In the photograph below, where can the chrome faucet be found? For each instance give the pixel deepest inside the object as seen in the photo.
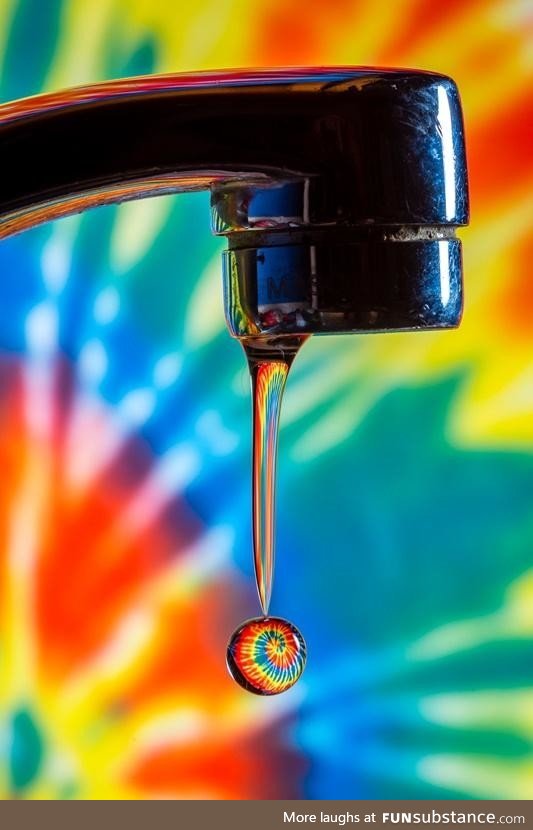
(339, 190)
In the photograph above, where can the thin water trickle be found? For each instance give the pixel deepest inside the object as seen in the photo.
(266, 655)
(269, 361)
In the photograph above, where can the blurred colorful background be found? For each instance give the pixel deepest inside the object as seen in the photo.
(405, 518)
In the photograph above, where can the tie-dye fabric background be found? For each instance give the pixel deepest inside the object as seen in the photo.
(405, 529)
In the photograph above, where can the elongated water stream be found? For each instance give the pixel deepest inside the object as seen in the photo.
(266, 655)
(269, 365)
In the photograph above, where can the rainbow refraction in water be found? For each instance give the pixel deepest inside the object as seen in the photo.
(266, 655)
(268, 383)
(269, 362)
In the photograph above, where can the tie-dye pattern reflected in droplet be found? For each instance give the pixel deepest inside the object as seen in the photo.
(266, 655)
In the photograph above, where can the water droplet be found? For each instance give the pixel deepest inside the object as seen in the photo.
(266, 655)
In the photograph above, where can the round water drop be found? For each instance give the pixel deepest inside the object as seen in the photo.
(266, 655)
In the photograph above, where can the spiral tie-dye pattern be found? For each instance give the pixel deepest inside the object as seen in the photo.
(266, 655)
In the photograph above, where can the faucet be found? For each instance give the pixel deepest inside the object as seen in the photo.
(339, 190)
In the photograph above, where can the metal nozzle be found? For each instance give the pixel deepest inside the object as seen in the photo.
(335, 281)
(364, 240)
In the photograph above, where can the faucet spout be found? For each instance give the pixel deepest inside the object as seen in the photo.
(339, 190)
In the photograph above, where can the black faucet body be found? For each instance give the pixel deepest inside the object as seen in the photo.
(340, 190)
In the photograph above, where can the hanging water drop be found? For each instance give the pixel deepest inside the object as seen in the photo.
(266, 655)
